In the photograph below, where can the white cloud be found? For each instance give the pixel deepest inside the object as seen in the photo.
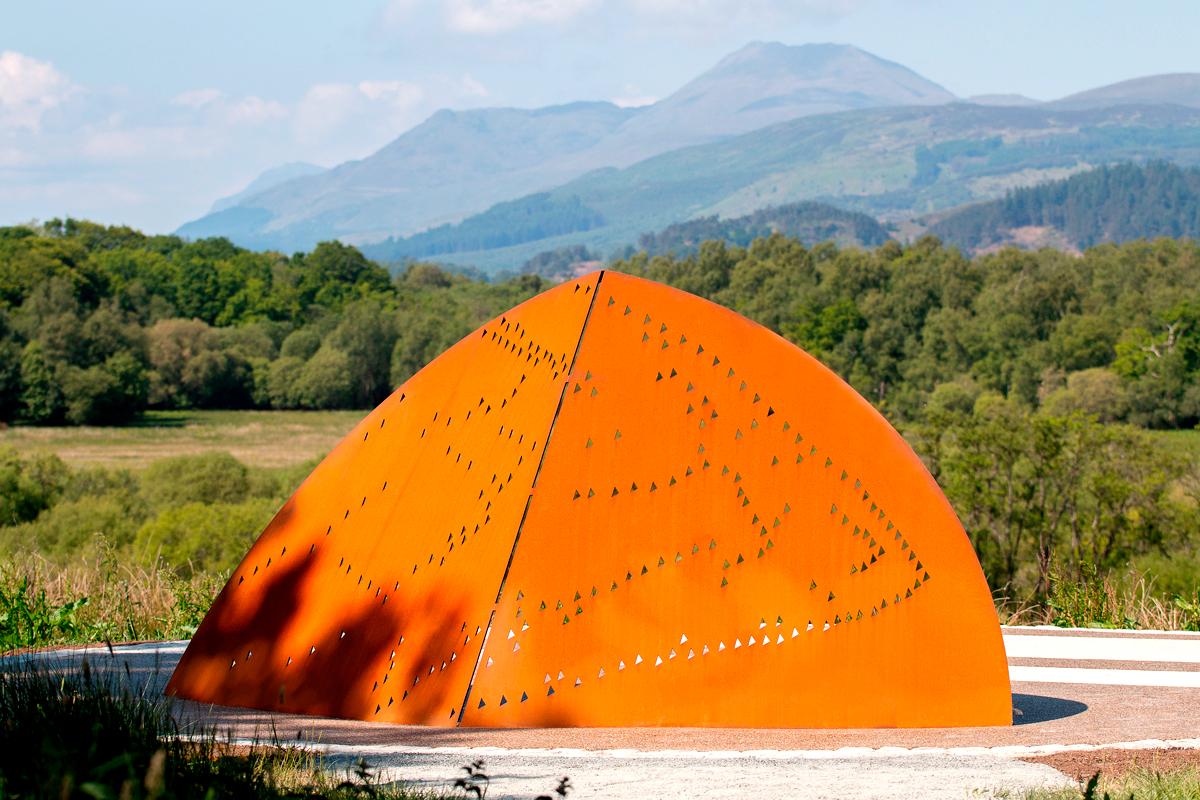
(492, 17)
(198, 98)
(396, 93)
(496, 16)
(472, 87)
(28, 89)
(634, 98)
(255, 111)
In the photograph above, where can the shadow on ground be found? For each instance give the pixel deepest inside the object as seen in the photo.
(1031, 708)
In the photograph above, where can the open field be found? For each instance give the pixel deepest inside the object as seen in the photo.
(272, 439)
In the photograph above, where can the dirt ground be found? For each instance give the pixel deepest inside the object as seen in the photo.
(1114, 762)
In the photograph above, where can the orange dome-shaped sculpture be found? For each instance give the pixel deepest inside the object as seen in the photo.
(619, 504)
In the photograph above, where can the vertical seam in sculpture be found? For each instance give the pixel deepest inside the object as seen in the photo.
(583, 330)
(528, 501)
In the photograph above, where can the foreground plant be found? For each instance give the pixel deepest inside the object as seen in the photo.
(89, 734)
(1138, 783)
(1098, 601)
(44, 604)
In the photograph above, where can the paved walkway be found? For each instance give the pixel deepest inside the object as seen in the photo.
(1072, 690)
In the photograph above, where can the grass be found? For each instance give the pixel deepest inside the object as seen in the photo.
(1102, 602)
(273, 439)
(79, 733)
(44, 604)
(1140, 783)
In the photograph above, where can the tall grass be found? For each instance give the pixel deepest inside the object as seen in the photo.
(42, 603)
(1094, 601)
(79, 733)
(1138, 783)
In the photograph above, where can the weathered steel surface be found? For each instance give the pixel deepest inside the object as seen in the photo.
(721, 533)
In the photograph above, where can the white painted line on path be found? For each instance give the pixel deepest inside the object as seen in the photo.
(1081, 648)
(1104, 677)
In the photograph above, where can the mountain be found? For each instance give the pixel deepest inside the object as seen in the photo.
(1179, 89)
(272, 177)
(892, 163)
(458, 163)
(1117, 204)
(762, 84)
(454, 162)
(1002, 100)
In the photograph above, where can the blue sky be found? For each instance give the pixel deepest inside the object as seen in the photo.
(145, 112)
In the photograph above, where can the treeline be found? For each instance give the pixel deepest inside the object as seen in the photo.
(1107, 204)
(809, 222)
(99, 323)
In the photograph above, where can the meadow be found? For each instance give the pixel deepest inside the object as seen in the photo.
(269, 439)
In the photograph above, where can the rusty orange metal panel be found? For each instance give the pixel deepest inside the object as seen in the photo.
(724, 533)
(368, 595)
(719, 531)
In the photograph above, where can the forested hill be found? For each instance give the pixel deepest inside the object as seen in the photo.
(811, 223)
(1106, 204)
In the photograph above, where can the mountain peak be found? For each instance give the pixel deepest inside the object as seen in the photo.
(765, 83)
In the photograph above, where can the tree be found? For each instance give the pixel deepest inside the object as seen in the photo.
(324, 381)
(367, 335)
(41, 396)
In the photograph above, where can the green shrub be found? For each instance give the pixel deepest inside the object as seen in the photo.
(212, 477)
(28, 619)
(198, 536)
(29, 486)
(68, 529)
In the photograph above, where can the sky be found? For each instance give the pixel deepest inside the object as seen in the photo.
(143, 113)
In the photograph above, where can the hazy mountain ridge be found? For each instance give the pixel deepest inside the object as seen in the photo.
(1181, 89)
(628, 168)
(457, 163)
(431, 174)
(265, 181)
(974, 153)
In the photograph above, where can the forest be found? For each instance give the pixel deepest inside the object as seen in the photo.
(98, 324)
(1034, 384)
(1106, 204)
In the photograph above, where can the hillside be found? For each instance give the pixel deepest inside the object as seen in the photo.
(460, 162)
(1181, 89)
(267, 180)
(1107, 204)
(891, 163)
(811, 223)
(451, 163)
